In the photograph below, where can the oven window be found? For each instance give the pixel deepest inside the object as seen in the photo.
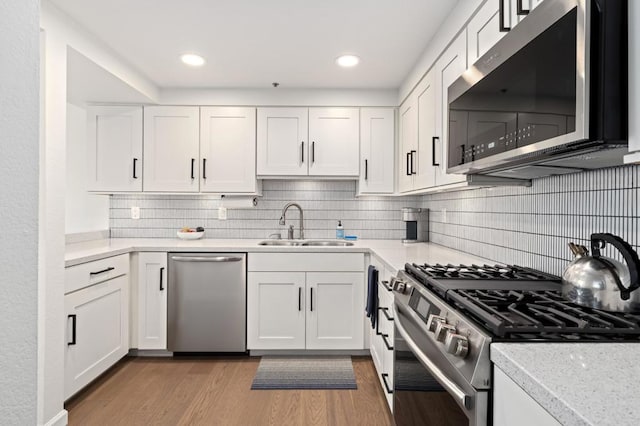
(529, 98)
(418, 397)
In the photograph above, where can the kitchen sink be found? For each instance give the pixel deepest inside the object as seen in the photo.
(310, 243)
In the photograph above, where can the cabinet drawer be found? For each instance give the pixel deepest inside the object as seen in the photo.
(90, 273)
(306, 262)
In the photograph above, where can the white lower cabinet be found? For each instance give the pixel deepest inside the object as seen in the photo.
(513, 406)
(152, 301)
(310, 307)
(97, 331)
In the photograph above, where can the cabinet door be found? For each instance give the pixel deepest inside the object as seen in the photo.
(335, 318)
(275, 310)
(408, 142)
(228, 149)
(335, 146)
(97, 331)
(448, 68)
(171, 154)
(152, 300)
(114, 148)
(483, 30)
(376, 149)
(426, 165)
(282, 144)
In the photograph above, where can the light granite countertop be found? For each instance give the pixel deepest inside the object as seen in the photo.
(394, 254)
(577, 383)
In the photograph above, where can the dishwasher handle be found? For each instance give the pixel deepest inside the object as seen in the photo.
(206, 259)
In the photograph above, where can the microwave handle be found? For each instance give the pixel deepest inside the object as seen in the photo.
(433, 151)
(462, 398)
(503, 27)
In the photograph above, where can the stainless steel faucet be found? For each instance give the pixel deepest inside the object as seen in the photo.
(283, 217)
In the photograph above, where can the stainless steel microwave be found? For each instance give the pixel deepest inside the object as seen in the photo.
(549, 98)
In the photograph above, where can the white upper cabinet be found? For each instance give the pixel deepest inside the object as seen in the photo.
(483, 30)
(334, 137)
(308, 142)
(227, 149)
(377, 137)
(171, 149)
(426, 164)
(114, 148)
(448, 68)
(408, 141)
(282, 141)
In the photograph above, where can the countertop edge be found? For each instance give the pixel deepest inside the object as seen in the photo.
(544, 396)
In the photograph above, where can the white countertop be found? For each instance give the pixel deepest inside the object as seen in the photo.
(393, 253)
(577, 383)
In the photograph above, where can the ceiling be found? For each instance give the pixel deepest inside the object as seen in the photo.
(252, 43)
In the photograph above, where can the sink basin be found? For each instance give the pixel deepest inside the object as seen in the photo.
(280, 243)
(330, 243)
(310, 243)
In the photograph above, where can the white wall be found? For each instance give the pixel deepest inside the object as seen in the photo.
(19, 122)
(84, 212)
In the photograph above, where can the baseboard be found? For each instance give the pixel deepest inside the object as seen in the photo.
(303, 352)
(150, 353)
(60, 419)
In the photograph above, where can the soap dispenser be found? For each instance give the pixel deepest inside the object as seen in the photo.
(339, 231)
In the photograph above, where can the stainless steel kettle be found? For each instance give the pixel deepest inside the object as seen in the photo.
(600, 282)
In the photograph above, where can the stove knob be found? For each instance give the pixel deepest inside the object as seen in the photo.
(433, 321)
(456, 344)
(442, 329)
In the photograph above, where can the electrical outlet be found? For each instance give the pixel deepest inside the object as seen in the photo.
(444, 215)
(222, 213)
(135, 212)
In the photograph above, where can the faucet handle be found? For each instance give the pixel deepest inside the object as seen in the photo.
(290, 232)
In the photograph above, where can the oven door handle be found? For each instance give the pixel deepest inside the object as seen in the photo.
(462, 398)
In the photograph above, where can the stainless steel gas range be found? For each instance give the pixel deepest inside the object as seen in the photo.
(447, 316)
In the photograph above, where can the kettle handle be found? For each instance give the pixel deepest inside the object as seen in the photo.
(598, 241)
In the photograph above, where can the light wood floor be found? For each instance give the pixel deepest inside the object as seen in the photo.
(217, 391)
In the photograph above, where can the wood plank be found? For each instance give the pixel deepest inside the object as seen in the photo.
(217, 390)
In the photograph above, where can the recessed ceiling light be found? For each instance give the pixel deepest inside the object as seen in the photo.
(192, 59)
(348, 61)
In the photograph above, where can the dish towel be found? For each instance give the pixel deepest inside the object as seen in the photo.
(372, 295)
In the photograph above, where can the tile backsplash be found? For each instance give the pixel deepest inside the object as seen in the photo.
(532, 226)
(323, 202)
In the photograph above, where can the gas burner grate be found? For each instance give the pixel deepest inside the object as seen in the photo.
(480, 272)
(542, 315)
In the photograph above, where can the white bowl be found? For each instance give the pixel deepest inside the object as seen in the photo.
(190, 235)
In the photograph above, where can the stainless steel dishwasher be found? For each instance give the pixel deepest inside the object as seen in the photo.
(207, 302)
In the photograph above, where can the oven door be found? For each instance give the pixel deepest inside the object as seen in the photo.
(428, 390)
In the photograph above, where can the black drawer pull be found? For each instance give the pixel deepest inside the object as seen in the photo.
(73, 329)
(110, 268)
(386, 385)
(385, 311)
(378, 332)
(386, 343)
(161, 271)
(386, 285)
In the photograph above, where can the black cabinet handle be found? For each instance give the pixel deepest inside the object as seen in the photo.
(433, 151)
(204, 168)
(311, 300)
(386, 385)
(386, 343)
(161, 271)
(366, 169)
(73, 329)
(503, 28)
(302, 151)
(378, 332)
(135, 161)
(520, 10)
(299, 299)
(110, 268)
(193, 166)
(408, 161)
(386, 285)
(385, 311)
(413, 152)
(313, 152)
